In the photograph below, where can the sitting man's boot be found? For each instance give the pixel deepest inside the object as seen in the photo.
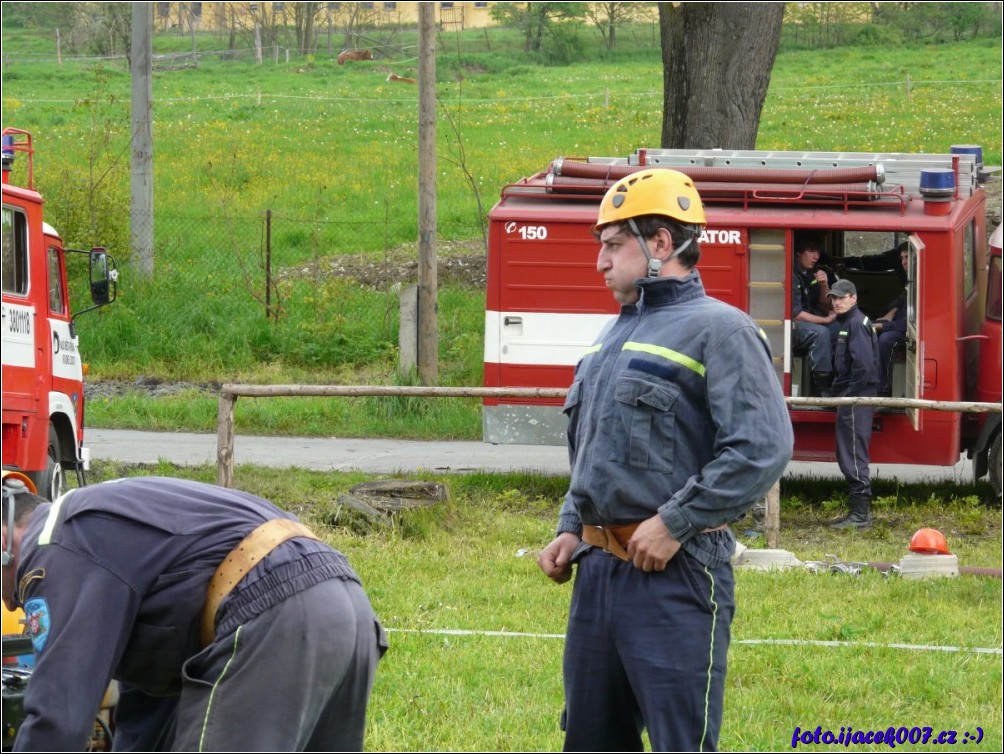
(822, 383)
(859, 516)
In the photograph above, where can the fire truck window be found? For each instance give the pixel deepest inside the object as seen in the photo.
(15, 252)
(872, 262)
(969, 261)
(57, 302)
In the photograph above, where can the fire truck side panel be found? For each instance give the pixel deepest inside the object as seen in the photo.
(42, 372)
(545, 300)
(66, 399)
(547, 303)
(25, 341)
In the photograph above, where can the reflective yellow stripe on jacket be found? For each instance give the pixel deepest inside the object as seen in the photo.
(667, 353)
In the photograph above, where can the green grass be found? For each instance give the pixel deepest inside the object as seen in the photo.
(330, 150)
(459, 568)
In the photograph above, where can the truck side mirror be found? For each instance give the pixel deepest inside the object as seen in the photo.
(103, 277)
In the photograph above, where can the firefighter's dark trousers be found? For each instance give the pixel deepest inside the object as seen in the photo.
(854, 433)
(295, 678)
(646, 650)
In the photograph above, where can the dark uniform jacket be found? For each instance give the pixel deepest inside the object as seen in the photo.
(676, 410)
(855, 356)
(805, 292)
(113, 578)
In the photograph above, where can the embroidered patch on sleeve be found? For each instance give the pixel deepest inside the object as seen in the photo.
(36, 619)
(35, 574)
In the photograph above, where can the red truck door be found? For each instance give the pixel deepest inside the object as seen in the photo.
(914, 343)
(21, 341)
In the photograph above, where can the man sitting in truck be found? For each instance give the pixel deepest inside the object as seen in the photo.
(891, 328)
(887, 261)
(811, 314)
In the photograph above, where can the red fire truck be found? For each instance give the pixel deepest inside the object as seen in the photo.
(43, 391)
(546, 302)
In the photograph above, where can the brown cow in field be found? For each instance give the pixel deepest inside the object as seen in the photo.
(402, 79)
(348, 55)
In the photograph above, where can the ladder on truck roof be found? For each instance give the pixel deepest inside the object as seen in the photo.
(745, 177)
(897, 168)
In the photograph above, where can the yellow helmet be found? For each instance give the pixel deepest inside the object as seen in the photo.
(656, 191)
(10, 474)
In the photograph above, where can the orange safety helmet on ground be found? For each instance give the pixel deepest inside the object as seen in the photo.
(656, 191)
(929, 542)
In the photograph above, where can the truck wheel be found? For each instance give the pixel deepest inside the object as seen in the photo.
(51, 483)
(994, 461)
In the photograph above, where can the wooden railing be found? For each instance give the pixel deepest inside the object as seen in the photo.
(772, 521)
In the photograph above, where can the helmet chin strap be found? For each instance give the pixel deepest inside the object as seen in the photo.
(11, 489)
(8, 553)
(654, 264)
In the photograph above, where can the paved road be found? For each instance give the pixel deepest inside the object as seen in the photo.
(404, 456)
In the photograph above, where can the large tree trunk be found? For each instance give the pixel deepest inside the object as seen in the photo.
(716, 61)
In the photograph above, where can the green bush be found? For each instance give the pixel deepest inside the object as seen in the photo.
(873, 35)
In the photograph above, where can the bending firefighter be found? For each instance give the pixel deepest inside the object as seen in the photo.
(676, 426)
(228, 624)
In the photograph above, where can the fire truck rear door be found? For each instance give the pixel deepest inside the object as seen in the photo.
(914, 343)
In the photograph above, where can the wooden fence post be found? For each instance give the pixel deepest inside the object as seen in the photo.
(772, 516)
(225, 440)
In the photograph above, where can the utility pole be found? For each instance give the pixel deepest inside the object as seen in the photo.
(141, 182)
(428, 284)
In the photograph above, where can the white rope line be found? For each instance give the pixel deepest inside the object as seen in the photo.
(747, 642)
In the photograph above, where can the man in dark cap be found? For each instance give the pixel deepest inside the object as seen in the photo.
(856, 374)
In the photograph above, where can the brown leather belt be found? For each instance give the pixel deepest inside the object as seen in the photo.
(614, 539)
(243, 558)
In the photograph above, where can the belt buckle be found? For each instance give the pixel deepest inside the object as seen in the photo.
(606, 538)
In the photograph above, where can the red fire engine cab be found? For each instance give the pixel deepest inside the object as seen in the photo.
(43, 390)
(546, 303)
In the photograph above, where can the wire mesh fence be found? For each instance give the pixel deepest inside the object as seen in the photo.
(265, 261)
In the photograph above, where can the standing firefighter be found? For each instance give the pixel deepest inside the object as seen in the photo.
(676, 426)
(228, 624)
(857, 375)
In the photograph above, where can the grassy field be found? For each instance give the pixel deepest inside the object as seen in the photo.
(330, 150)
(476, 630)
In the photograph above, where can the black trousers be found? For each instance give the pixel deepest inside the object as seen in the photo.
(854, 433)
(647, 651)
(297, 677)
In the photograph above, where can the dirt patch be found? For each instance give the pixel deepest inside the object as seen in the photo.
(458, 263)
(994, 191)
(150, 386)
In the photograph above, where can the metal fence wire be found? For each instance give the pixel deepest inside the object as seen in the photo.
(263, 260)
